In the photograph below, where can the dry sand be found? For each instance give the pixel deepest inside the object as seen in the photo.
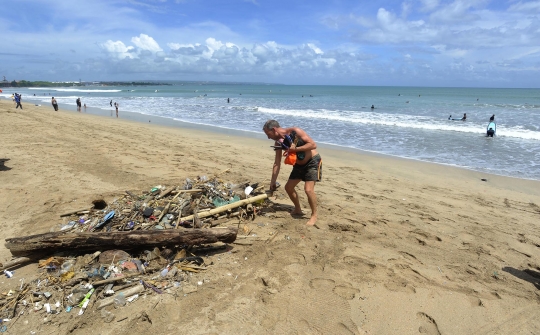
(404, 247)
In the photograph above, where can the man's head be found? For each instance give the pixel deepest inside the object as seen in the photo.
(269, 129)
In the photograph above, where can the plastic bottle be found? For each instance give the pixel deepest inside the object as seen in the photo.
(120, 299)
(67, 266)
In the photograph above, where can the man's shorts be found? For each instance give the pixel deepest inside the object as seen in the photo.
(311, 171)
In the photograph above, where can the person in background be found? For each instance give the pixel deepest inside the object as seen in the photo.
(492, 118)
(78, 101)
(18, 100)
(116, 106)
(464, 117)
(54, 104)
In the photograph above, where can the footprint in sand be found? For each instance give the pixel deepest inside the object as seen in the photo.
(428, 326)
(346, 292)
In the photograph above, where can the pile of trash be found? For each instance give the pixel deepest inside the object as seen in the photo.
(69, 282)
(164, 207)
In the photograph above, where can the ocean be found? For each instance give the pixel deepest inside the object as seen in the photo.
(408, 122)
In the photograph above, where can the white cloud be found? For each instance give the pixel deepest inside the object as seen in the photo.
(118, 49)
(218, 57)
(146, 42)
(429, 5)
(406, 8)
(459, 10)
(315, 48)
(527, 7)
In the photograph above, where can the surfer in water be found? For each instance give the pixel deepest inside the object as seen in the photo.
(492, 118)
(464, 117)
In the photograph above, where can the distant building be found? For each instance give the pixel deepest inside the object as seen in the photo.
(5, 83)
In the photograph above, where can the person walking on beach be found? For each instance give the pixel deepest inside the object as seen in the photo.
(116, 106)
(18, 101)
(54, 104)
(78, 101)
(307, 167)
(111, 103)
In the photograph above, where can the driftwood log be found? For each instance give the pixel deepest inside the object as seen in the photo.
(59, 241)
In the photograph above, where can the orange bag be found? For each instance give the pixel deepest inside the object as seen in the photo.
(290, 158)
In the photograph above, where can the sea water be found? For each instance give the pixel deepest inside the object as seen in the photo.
(409, 122)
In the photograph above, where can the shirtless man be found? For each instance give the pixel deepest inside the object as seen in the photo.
(54, 104)
(308, 167)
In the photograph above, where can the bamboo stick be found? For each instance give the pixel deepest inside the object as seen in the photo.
(74, 212)
(16, 261)
(127, 293)
(226, 207)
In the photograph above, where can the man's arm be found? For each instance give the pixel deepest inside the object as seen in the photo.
(275, 170)
(309, 144)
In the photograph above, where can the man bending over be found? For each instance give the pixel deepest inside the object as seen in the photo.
(307, 168)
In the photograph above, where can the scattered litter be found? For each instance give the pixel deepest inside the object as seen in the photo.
(80, 280)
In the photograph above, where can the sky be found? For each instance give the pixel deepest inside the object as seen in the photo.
(457, 43)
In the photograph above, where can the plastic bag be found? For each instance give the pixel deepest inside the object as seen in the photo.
(290, 158)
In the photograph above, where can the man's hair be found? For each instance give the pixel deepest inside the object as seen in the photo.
(271, 124)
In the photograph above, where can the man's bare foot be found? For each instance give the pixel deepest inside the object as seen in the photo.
(312, 221)
(296, 212)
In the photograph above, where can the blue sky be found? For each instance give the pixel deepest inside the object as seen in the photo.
(474, 43)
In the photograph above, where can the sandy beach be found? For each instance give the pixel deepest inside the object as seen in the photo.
(404, 247)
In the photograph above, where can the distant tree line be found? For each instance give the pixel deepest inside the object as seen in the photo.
(26, 83)
(133, 83)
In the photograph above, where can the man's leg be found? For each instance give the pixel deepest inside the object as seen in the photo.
(290, 188)
(309, 187)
